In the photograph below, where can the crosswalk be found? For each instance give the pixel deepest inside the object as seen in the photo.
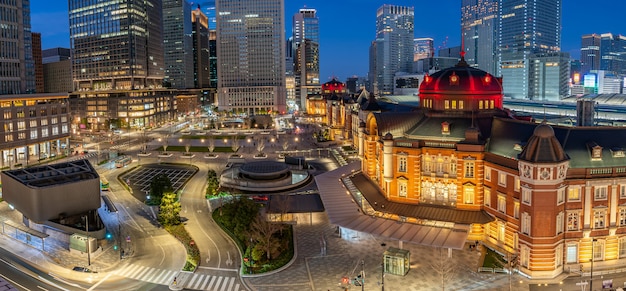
(80, 157)
(166, 277)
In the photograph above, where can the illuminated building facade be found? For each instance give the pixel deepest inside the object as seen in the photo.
(550, 196)
(394, 45)
(123, 50)
(306, 53)
(200, 35)
(590, 53)
(479, 23)
(525, 28)
(34, 127)
(251, 56)
(16, 55)
(177, 44)
(423, 48)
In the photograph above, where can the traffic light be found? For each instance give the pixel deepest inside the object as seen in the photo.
(115, 247)
(109, 235)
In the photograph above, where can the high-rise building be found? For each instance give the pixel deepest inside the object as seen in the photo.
(423, 48)
(37, 60)
(613, 53)
(305, 41)
(394, 45)
(16, 55)
(200, 33)
(549, 76)
(212, 58)
(123, 49)
(178, 44)
(525, 28)
(251, 56)
(56, 54)
(479, 23)
(590, 53)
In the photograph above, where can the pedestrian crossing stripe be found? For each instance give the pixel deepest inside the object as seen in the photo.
(166, 277)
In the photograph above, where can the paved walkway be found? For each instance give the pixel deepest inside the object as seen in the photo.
(316, 270)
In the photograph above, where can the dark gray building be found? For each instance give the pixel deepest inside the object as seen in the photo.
(17, 65)
(177, 44)
(56, 54)
(200, 44)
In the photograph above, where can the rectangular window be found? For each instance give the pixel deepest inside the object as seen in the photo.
(572, 253)
(469, 169)
(517, 184)
(54, 120)
(402, 188)
(460, 104)
(487, 174)
(21, 135)
(526, 223)
(524, 256)
(8, 137)
(44, 121)
(516, 210)
(622, 217)
(573, 194)
(559, 223)
(526, 196)
(446, 104)
(468, 194)
(600, 193)
(44, 132)
(502, 179)
(599, 217)
(572, 221)
(402, 164)
(560, 196)
(622, 247)
(33, 123)
(622, 191)
(33, 134)
(453, 104)
(21, 125)
(64, 128)
(487, 196)
(558, 255)
(501, 203)
(598, 250)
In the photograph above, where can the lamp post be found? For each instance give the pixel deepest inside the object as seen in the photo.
(593, 244)
(88, 250)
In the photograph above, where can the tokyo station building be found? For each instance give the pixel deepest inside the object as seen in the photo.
(552, 197)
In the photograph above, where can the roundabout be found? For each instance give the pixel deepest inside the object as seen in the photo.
(263, 176)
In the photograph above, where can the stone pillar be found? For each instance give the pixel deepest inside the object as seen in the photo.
(587, 208)
(613, 205)
(361, 142)
(388, 157)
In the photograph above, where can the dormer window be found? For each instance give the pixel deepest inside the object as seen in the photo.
(445, 128)
(617, 152)
(596, 151)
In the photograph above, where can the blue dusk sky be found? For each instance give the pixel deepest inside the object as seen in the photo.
(347, 27)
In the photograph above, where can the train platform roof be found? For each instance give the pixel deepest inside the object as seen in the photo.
(54, 174)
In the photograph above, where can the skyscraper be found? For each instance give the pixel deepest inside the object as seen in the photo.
(37, 60)
(305, 45)
(177, 44)
(200, 32)
(123, 49)
(613, 53)
(590, 53)
(479, 23)
(525, 28)
(251, 56)
(394, 45)
(18, 69)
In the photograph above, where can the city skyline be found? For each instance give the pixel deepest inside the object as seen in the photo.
(345, 37)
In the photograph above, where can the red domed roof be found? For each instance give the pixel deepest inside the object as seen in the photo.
(461, 79)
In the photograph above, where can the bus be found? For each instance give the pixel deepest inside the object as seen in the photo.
(123, 161)
(104, 184)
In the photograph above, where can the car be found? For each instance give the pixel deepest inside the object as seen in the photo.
(83, 269)
(259, 198)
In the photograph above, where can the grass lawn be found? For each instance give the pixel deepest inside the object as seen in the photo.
(492, 259)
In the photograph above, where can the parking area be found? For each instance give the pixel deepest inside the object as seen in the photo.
(139, 179)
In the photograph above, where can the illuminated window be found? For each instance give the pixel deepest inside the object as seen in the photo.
(598, 250)
(446, 104)
(402, 188)
(491, 104)
(558, 255)
(487, 174)
(572, 253)
(502, 179)
(468, 194)
(573, 194)
(622, 191)
(487, 197)
(622, 217)
(517, 184)
(516, 210)
(622, 247)
(453, 104)
(480, 104)
(524, 256)
(572, 221)
(460, 104)
(501, 203)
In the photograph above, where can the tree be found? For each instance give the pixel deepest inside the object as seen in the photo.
(263, 232)
(260, 144)
(211, 146)
(444, 267)
(169, 210)
(159, 185)
(285, 144)
(236, 144)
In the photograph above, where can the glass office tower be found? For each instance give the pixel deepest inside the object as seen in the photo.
(479, 23)
(525, 27)
(116, 44)
(16, 55)
(394, 45)
(590, 53)
(251, 56)
(177, 44)
(305, 52)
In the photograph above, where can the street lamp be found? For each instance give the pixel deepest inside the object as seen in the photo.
(593, 245)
